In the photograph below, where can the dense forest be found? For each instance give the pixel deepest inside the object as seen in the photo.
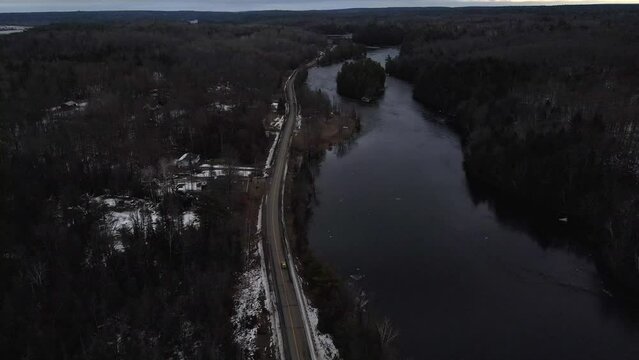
(343, 51)
(92, 117)
(361, 79)
(547, 105)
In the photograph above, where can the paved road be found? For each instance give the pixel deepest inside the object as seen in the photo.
(296, 345)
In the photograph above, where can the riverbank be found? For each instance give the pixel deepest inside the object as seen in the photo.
(341, 306)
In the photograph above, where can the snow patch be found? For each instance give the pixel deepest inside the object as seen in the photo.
(258, 226)
(190, 218)
(298, 122)
(110, 202)
(324, 345)
(215, 171)
(271, 152)
(224, 107)
(118, 246)
(254, 297)
(276, 126)
(277, 123)
(249, 304)
(125, 213)
(10, 29)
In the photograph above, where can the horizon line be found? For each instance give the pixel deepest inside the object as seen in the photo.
(463, 5)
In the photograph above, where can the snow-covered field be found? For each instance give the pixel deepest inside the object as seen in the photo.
(125, 213)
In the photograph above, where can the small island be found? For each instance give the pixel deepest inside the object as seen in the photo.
(362, 79)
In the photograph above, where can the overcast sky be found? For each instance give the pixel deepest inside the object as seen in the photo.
(242, 5)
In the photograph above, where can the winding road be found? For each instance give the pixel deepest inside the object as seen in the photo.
(295, 331)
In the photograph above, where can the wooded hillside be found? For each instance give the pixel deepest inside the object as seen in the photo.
(548, 106)
(90, 110)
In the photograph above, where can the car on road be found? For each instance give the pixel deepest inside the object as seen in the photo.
(283, 264)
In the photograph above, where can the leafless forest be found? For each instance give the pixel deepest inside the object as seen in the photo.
(101, 118)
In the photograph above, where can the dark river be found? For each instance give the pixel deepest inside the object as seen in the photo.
(456, 281)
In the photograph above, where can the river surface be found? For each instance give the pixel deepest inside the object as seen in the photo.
(456, 280)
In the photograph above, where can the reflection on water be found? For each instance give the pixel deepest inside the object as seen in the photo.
(457, 280)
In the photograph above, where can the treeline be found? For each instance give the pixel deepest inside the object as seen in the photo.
(343, 51)
(360, 79)
(379, 34)
(547, 108)
(137, 96)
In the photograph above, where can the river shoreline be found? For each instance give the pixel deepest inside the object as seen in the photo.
(341, 305)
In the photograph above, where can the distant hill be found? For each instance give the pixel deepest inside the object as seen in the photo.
(282, 16)
(45, 18)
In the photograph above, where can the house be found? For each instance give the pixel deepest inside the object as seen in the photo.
(189, 186)
(194, 22)
(187, 160)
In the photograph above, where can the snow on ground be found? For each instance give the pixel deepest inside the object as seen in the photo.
(298, 122)
(249, 303)
(324, 345)
(215, 171)
(119, 220)
(271, 152)
(224, 107)
(252, 298)
(277, 123)
(190, 218)
(210, 174)
(222, 88)
(258, 226)
(124, 213)
(68, 108)
(110, 202)
(118, 246)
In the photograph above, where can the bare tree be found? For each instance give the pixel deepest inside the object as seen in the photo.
(387, 333)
